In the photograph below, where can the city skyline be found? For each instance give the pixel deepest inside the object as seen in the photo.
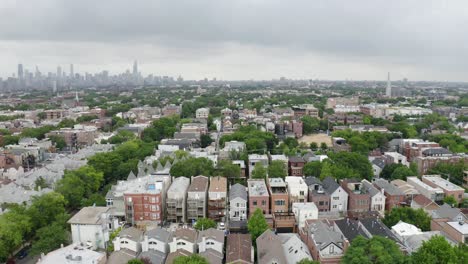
(261, 40)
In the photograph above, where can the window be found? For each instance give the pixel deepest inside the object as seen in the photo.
(332, 249)
(154, 216)
(153, 208)
(336, 198)
(146, 197)
(237, 204)
(146, 206)
(152, 243)
(124, 242)
(254, 202)
(129, 208)
(321, 202)
(153, 199)
(263, 202)
(301, 193)
(210, 243)
(110, 202)
(280, 202)
(181, 243)
(129, 199)
(334, 206)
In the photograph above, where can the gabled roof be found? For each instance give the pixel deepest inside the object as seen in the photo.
(270, 248)
(132, 233)
(312, 181)
(160, 234)
(350, 228)
(238, 248)
(376, 227)
(330, 185)
(446, 211)
(388, 187)
(370, 188)
(238, 190)
(187, 234)
(211, 233)
(324, 235)
(131, 176)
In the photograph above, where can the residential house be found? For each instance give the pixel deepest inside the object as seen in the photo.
(295, 166)
(258, 196)
(184, 243)
(359, 197)
(237, 203)
(197, 196)
(211, 245)
(279, 197)
(297, 189)
(256, 158)
(202, 113)
(377, 197)
(239, 249)
(303, 212)
(421, 201)
(155, 245)
(91, 227)
(293, 248)
(74, 253)
(326, 243)
(129, 239)
(394, 197)
(436, 194)
(241, 165)
(403, 230)
(449, 188)
(270, 249)
(217, 198)
(405, 188)
(177, 199)
(338, 196)
(317, 194)
(366, 227)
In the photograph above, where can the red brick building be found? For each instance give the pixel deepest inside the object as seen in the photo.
(295, 166)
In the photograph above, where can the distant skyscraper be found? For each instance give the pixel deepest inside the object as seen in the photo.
(388, 90)
(20, 72)
(59, 72)
(135, 68)
(72, 74)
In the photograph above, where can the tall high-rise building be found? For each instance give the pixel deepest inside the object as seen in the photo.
(72, 74)
(59, 72)
(135, 68)
(20, 72)
(388, 90)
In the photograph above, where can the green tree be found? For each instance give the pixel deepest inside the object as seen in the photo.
(378, 250)
(66, 123)
(435, 250)
(58, 141)
(192, 167)
(205, 140)
(229, 170)
(310, 124)
(257, 224)
(277, 169)
(313, 146)
(40, 183)
(402, 173)
(49, 238)
(454, 172)
(259, 171)
(450, 200)
(122, 136)
(204, 223)
(192, 259)
(323, 146)
(417, 217)
(313, 168)
(15, 226)
(46, 209)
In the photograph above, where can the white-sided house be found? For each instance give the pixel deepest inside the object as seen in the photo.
(377, 197)
(237, 203)
(184, 239)
(90, 226)
(303, 212)
(297, 189)
(155, 245)
(129, 238)
(338, 196)
(403, 230)
(211, 245)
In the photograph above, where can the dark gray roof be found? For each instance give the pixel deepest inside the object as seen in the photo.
(296, 159)
(330, 185)
(377, 228)
(326, 235)
(270, 248)
(312, 181)
(436, 151)
(159, 234)
(370, 188)
(379, 162)
(350, 228)
(446, 211)
(238, 190)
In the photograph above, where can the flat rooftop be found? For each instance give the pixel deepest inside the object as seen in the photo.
(443, 183)
(257, 188)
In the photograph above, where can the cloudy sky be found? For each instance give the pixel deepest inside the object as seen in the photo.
(240, 39)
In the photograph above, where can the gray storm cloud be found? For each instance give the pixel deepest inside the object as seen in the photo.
(419, 39)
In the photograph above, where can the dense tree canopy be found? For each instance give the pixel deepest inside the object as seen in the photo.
(310, 124)
(256, 141)
(438, 250)
(364, 142)
(192, 259)
(377, 250)
(454, 172)
(259, 172)
(277, 169)
(257, 224)
(417, 217)
(204, 223)
(192, 167)
(164, 127)
(229, 170)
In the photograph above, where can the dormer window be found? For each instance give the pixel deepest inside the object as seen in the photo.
(152, 243)
(181, 243)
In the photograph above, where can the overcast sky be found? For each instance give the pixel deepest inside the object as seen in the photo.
(240, 39)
